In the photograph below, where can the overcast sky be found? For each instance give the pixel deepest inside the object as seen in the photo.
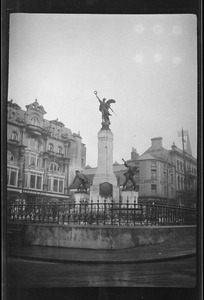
(147, 63)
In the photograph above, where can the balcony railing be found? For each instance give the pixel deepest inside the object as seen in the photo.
(192, 174)
(105, 214)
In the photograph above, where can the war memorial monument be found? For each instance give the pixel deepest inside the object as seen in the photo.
(105, 186)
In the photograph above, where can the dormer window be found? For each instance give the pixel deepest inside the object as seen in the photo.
(60, 149)
(14, 135)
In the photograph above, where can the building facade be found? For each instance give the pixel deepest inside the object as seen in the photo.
(166, 174)
(163, 174)
(42, 155)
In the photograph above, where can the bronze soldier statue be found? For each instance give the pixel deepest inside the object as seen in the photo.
(129, 175)
(83, 181)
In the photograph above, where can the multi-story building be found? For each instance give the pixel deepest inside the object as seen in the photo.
(163, 174)
(42, 155)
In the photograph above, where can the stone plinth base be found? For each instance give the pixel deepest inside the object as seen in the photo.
(99, 237)
(79, 196)
(131, 196)
(95, 194)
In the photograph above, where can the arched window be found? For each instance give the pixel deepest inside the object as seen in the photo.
(10, 157)
(182, 183)
(59, 149)
(35, 122)
(54, 167)
(14, 135)
(177, 165)
(50, 147)
(171, 178)
(53, 131)
(37, 145)
(179, 186)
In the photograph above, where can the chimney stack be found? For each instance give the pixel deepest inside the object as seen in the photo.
(156, 143)
(134, 154)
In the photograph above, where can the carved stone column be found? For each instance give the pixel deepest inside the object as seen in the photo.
(66, 184)
(45, 184)
(66, 163)
(22, 166)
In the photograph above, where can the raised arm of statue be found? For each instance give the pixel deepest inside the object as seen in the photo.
(97, 96)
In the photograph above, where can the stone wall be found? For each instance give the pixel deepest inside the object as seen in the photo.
(100, 237)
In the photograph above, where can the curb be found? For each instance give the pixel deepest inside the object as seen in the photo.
(83, 261)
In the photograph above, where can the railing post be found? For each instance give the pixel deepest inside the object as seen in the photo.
(127, 210)
(147, 213)
(155, 214)
(134, 211)
(91, 211)
(104, 213)
(74, 211)
(79, 211)
(85, 215)
(119, 214)
(175, 216)
(97, 210)
(141, 214)
(112, 212)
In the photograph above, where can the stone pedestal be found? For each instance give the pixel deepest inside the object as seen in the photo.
(131, 196)
(104, 182)
(79, 196)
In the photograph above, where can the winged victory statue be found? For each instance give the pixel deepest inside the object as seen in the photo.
(104, 107)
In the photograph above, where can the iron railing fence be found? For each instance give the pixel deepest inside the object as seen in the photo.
(106, 213)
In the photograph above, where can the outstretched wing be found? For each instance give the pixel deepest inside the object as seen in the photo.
(110, 101)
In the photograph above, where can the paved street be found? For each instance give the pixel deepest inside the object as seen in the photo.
(178, 273)
(169, 264)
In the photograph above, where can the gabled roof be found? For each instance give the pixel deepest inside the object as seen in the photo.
(146, 156)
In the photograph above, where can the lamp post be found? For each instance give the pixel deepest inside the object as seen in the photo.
(184, 162)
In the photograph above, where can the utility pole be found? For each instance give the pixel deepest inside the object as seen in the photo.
(167, 178)
(181, 134)
(184, 162)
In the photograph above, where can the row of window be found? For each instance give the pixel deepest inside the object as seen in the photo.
(35, 144)
(170, 177)
(180, 167)
(51, 148)
(32, 159)
(180, 183)
(34, 180)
